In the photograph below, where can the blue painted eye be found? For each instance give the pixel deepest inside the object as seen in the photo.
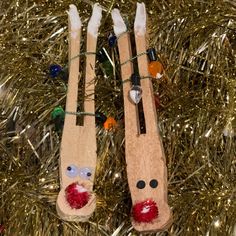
(85, 173)
(72, 171)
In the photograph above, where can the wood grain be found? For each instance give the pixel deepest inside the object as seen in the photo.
(144, 153)
(78, 145)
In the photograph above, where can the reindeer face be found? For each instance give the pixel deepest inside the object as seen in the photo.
(76, 200)
(76, 193)
(146, 174)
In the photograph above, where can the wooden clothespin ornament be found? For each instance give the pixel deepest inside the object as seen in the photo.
(146, 167)
(76, 200)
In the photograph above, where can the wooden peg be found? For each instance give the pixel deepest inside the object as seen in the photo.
(76, 200)
(146, 168)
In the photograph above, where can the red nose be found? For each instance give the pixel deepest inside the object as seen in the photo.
(145, 211)
(76, 195)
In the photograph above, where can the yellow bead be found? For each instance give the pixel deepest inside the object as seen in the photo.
(155, 69)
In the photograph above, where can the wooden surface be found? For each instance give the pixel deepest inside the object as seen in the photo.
(144, 153)
(78, 145)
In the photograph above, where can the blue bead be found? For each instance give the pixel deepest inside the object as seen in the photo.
(100, 118)
(112, 40)
(54, 70)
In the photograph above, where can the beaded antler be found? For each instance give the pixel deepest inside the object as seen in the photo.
(146, 167)
(76, 200)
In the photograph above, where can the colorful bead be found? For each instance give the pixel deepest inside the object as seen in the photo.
(64, 74)
(157, 101)
(135, 79)
(152, 55)
(2, 229)
(58, 117)
(106, 64)
(100, 118)
(155, 69)
(135, 92)
(101, 55)
(112, 40)
(110, 123)
(54, 70)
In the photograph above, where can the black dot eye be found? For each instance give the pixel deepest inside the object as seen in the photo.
(153, 183)
(140, 184)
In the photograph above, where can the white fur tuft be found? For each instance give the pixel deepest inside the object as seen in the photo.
(119, 24)
(95, 20)
(75, 21)
(140, 20)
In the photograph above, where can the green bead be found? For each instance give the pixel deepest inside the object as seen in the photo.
(108, 68)
(58, 117)
(58, 112)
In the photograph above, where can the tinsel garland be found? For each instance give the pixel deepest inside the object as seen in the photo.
(196, 43)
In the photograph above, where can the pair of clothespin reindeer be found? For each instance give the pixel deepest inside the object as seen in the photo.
(146, 168)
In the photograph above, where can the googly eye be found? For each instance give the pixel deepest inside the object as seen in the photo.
(85, 172)
(72, 171)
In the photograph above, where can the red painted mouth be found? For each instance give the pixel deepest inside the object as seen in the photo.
(76, 195)
(145, 211)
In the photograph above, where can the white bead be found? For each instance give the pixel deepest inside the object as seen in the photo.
(135, 95)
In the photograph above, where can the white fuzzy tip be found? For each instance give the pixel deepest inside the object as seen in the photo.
(75, 21)
(80, 189)
(119, 24)
(140, 20)
(95, 20)
(159, 76)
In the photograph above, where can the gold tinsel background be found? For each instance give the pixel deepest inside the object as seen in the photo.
(196, 41)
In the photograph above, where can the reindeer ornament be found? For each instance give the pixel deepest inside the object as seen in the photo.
(146, 167)
(76, 200)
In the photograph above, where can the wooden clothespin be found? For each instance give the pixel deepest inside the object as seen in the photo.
(76, 200)
(146, 167)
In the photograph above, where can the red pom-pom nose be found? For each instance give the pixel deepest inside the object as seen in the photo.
(145, 211)
(76, 195)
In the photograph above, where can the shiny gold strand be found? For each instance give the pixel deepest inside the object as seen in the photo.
(195, 41)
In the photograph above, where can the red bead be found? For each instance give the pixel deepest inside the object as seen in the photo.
(2, 229)
(76, 195)
(145, 211)
(157, 101)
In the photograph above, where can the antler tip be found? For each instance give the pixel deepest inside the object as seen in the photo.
(140, 19)
(74, 18)
(119, 24)
(95, 20)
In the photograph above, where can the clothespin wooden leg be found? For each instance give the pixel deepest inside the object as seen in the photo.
(146, 168)
(76, 200)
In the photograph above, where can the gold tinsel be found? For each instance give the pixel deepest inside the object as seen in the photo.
(196, 42)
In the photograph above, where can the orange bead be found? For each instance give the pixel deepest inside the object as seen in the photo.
(155, 69)
(110, 123)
